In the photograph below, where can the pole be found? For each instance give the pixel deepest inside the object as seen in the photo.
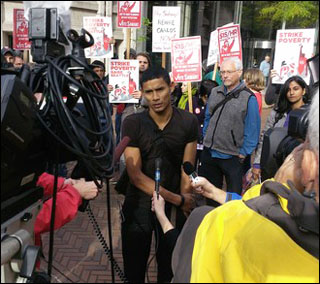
(190, 97)
(128, 42)
(215, 71)
(164, 60)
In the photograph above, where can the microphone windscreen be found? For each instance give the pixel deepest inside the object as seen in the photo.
(188, 168)
(120, 148)
(158, 163)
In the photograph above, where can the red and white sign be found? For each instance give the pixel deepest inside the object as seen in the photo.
(101, 30)
(124, 77)
(129, 14)
(293, 49)
(20, 30)
(229, 41)
(186, 59)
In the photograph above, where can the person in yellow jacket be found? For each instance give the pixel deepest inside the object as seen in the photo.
(271, 235)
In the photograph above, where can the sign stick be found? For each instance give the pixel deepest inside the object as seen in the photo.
(190, 97)
(128, 42)
(164, 60)
(215, 71)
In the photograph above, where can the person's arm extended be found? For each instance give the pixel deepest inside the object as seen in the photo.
(143, 182)
(251, 128)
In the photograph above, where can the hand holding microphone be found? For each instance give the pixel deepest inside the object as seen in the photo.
(157, 176)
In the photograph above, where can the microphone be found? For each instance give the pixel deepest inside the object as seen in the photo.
(189, 170)
(120, 148)
(157, 175)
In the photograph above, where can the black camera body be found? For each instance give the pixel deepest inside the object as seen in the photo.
(279, 142)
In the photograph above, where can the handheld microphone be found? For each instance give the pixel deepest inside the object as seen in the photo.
(120, 148)
(189, 170)
(157, 175)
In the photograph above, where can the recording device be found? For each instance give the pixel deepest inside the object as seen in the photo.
(31, 132)
(158, 162)
(189, 170)
(279, 142)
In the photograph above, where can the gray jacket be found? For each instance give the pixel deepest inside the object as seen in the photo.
(225, 132)
(270, 123)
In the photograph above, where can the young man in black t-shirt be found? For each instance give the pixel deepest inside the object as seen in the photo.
(171, 134)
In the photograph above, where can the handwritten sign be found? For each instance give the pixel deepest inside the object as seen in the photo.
(124, 77)
(186, 59)
(101, 30)
(293, 49)
(229, 41)
(20, 30)
(165, 27)
(129, 14)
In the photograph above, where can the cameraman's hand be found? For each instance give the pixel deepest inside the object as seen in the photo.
(291, 168)
(87, 190)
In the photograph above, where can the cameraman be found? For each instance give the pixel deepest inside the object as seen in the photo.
(270, 238)
(293, 95)
(69, 198)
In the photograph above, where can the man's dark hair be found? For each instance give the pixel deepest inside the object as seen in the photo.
(206, 87)
(156, 72)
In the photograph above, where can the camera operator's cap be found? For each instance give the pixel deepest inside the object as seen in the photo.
(98, 63)
(18, 53)
(6, 50)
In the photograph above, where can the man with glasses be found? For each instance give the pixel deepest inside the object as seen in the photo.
(231, 129)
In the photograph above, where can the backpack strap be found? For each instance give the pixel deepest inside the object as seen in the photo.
(232, 95)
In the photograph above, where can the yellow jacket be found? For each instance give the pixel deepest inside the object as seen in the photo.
(236, 244)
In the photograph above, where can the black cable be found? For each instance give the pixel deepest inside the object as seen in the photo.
(103, 242)
(110, 229)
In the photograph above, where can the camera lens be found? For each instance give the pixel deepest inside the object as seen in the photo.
(285, 148)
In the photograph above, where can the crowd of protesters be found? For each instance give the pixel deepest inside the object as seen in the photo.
(220, 136)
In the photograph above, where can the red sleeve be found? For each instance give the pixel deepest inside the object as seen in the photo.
(47, 182)
(68, 201)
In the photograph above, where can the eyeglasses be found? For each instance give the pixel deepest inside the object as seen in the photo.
(227, 72)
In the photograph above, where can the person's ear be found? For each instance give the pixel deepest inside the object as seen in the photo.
(309, 167)
(172, 87)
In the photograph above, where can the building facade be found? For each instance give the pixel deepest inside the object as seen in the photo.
(197, 18)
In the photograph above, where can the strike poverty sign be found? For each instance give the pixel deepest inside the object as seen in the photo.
(165, 27)
(101, 30)
(293, 49)
(229, 41)
(129, 14)
(186, 59)
(124, 77)
(20, 30)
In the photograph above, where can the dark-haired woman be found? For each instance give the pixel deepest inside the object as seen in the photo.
(293, 95)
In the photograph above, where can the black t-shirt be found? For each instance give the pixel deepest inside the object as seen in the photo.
(144, 134)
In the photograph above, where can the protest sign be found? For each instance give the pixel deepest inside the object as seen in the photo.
(213, 54)
(186, 59)
(293, 49)
(101, 30)
(129, 14)
(229, 42)
(165, 27)
(20, 30)
(124, 77)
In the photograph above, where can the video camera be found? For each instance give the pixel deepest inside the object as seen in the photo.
(35, 134)
(278, 142)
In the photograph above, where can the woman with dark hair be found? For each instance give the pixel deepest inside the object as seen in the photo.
(293, 95)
